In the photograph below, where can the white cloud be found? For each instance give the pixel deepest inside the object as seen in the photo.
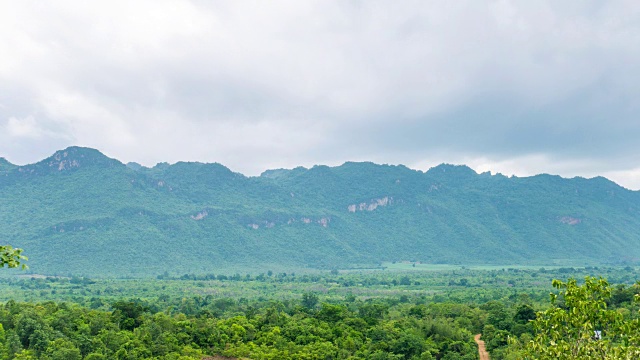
(26, 127)
(254, 84)
(627, 178)
(30, 128)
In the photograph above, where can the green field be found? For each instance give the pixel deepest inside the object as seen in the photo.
(409, 266)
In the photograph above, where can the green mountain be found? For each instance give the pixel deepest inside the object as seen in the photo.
(80, 212)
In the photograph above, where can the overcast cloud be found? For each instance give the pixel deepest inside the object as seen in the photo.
(518, 87)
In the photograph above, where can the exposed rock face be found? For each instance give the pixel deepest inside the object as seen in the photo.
(569, 220)
(370, 206)
(67, 159)
(201, 215)
(61, 162)
(268, 224)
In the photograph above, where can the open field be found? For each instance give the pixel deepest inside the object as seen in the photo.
(400, 279)
(409, 266)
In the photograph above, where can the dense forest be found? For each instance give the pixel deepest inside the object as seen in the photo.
(332, 315)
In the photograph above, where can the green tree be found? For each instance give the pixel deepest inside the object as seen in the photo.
(128, 314)
(524, 313)
(582, 327)
(62, 349)
(309, 300)
(11, 257)
(25, 355)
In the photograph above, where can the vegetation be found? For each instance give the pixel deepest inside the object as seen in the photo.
(359, 330)
(11, 257)
(79, 205)
(360, 261)
(348, 315)
(583, 327)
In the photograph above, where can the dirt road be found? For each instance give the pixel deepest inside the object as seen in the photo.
(484, 355)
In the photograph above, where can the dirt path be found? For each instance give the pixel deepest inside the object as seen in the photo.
(484, 355)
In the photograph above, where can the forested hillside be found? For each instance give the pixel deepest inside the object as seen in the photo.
(81, 212)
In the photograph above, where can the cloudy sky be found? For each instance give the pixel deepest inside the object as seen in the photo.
(517, 87)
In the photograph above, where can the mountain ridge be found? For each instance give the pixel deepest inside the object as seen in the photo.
(107, 218)
(82, 151)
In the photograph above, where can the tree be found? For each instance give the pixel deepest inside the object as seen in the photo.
(128, 314)
(62, 349)
(11, 257)
(309, 300)
(582, 327)
(524, 313)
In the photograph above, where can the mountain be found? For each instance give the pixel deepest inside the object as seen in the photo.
(5, 166)
(80, 212)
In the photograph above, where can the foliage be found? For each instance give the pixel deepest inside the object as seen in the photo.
(354, 315)
(271, 331)
(580, 325)
(11, 257)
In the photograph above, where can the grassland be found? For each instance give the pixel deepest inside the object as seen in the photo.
(400, 279)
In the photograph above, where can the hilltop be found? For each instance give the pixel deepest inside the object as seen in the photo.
(81, 212)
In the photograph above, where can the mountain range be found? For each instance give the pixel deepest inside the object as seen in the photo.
(80, 212)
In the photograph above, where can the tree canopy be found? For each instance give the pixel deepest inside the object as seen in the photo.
(579, 325)
(12, 257)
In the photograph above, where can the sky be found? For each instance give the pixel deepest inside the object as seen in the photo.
(516, 87)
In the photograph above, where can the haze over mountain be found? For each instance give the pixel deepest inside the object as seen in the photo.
(80, 212)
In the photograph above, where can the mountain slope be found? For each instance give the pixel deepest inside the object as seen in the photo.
(81, 212)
